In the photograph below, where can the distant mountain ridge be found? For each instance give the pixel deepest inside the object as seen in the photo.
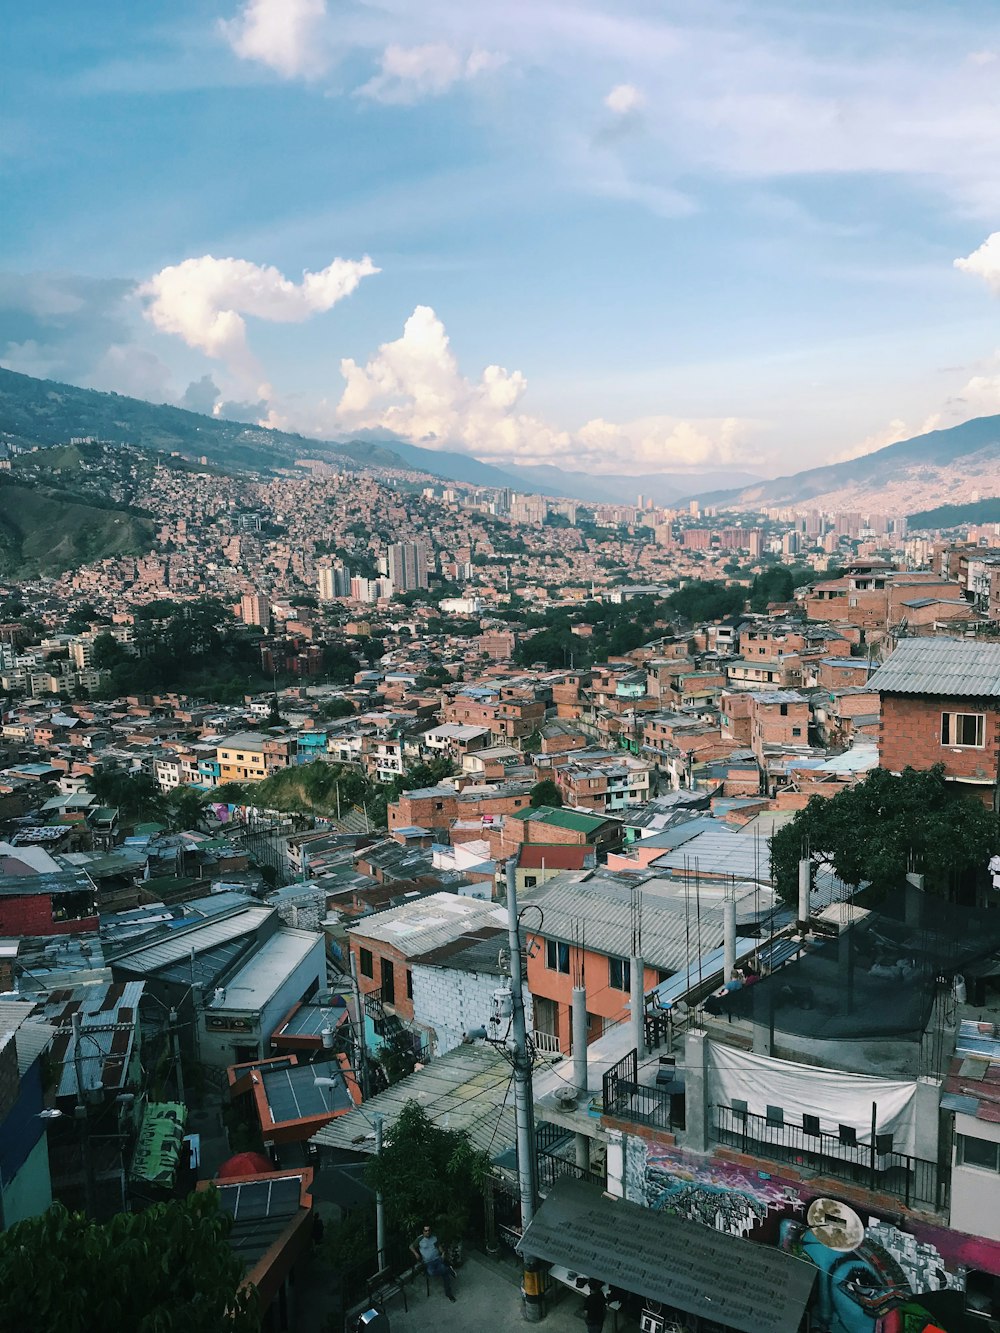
(950, 466)
(45, 412)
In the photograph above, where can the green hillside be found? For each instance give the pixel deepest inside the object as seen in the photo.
(43, 531)
(46, 413)
(954, 516)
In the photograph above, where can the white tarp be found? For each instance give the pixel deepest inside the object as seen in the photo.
(837, 1098)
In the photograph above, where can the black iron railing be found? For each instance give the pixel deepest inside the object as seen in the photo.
(912, 1179)
(625, 1098)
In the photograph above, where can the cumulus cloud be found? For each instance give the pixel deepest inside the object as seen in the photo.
(408, 74)
(985, 262)
(413, 387)
(201, 396)
(203, 301)
(894, 431)
(288, 36)
(625, 99)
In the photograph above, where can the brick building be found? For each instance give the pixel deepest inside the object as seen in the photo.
(940, 704)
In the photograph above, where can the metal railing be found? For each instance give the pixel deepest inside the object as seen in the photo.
(546, 1042)
(625, 1098)
(913, 1179)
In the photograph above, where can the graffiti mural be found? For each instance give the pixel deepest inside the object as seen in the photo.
(874, 1275)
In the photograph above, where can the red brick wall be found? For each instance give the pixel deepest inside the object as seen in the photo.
(379, 951)
(32, 915)
(910, 735)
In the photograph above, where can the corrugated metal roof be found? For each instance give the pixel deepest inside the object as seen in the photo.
(31, 1035)
(943, 667)
(598, 913)
(466, 1089)
(199, 937)
(426, 923)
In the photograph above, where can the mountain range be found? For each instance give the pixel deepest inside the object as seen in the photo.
(960, 464)
(956, 466)
(44, 412)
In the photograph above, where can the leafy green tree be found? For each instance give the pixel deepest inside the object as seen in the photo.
(545, 793)
(875, 831)
(428, 1174)
(776, 584)
(186, 808)
(108, 652)
(706, 600)
(136, 795)
(167, 1268)
(337, 708)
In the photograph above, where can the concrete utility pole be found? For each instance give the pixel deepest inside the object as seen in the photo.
(524, 1107)
(359, 1009)
(379, 1201)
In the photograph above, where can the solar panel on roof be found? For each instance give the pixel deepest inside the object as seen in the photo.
(261, 1198)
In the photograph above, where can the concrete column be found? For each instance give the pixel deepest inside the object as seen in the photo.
(616, 1163)
(579, 1039)
(638, 1004)
(805, 884)
(696, 1134)
(729, 937)
(927, 1119)
(914, 898)
(580, 1076)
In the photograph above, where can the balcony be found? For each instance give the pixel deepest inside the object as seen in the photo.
(659, 1103)
(871, 1166)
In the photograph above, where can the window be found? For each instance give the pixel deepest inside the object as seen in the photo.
(620, 974)
(784, 710)
(964, 729)
(981, 1153)
(388, 981)
(409, 984)
(796, 731)
(530, 881)
(365, 962)
(556, 956)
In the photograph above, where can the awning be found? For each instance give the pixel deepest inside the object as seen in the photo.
(158, 1147)
(745, 1286)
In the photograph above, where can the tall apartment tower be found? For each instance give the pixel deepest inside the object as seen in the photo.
(255, 609)
(407, 566)
(333, 581)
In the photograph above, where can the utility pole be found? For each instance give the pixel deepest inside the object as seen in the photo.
(520, 1057)
(359, 1010)
(379, 1202)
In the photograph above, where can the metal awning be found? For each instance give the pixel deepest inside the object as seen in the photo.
(742, 1285)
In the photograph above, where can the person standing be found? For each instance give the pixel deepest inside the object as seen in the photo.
(428, 1251)
(594, 1308)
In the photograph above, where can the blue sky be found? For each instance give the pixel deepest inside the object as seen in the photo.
(620, 236)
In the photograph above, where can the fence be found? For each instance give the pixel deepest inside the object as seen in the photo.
(625, 1098)
(874, 1165)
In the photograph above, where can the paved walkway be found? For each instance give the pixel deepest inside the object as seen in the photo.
(488, 1297)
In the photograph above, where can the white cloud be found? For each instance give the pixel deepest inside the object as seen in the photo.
(624, 99)
(408, 74)
(985, 262)
(204, 300)
(894, 431)
(414, 387)
(289, 36)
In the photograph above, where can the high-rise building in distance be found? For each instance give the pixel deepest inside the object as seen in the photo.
(407, 566)
(255, 609)
(333, 581)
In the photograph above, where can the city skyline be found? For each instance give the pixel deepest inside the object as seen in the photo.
(615, 238)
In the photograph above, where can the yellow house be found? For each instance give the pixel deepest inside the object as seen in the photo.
(242, 758)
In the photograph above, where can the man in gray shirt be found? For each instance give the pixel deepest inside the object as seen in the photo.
(428, 1251)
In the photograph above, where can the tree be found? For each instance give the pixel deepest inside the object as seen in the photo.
(545, 793)
(136, 795)
(772, 585)
(428, 1174)
(169, 1267)
(107, 652)
(187, 808)
(706, 600)
(874, 832)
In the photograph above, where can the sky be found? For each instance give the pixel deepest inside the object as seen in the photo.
(609, 235)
